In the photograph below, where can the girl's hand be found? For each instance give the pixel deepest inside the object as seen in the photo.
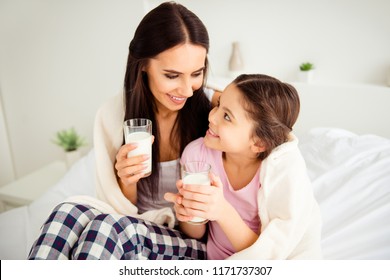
(204, 201)
(177, 199)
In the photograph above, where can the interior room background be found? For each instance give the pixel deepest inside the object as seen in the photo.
(60, 60)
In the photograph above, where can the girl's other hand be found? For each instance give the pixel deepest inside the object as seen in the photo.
(177, 199)
(204, 201)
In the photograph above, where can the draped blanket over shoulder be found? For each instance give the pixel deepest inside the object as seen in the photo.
(289, 213)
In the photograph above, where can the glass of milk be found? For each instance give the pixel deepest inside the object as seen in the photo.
(196, 173)
(139, 131)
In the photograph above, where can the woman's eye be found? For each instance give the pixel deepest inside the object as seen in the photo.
(197, 74)
(226, 117)
(171, 76)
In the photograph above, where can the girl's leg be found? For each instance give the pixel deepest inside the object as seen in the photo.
(61, 231)
(123, 237)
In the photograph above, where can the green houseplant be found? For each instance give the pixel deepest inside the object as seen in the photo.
(306, 72)
(70, 141)
(307, 66)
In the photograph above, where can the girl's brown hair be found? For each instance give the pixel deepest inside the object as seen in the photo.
(273, 106)
(168, 25)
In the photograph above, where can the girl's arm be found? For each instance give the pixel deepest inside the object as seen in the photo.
(210, 203)
(236, 230)
(194, 231)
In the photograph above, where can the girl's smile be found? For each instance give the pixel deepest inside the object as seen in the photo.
(212, 133)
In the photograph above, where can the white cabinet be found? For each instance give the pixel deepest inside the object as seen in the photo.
(30, 187)
(7, 172)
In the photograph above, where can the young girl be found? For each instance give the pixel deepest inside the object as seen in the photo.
(260, 204)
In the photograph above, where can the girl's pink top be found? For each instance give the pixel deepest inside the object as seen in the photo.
(243, 200)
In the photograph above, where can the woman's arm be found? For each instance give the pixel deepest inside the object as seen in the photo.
(214, 98)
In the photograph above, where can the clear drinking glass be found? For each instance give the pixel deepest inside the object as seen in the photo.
(196, 173)
(139, 131)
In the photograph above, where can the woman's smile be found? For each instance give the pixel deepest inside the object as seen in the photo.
(177, 100)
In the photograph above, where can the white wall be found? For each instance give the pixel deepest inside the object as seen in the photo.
(347, 40)
(7, 173)
(59, 60)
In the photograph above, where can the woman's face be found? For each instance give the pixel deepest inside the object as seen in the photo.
(174, 75)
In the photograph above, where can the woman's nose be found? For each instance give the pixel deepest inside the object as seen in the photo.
(187, 89)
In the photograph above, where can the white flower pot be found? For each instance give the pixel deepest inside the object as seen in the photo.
(306, 76)
(72, 157)
(388, 78)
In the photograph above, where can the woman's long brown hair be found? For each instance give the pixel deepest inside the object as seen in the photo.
(164, 27)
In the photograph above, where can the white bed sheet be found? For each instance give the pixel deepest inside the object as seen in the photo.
(19, 227)
(351, 181)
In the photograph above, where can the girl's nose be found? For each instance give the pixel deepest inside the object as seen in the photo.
(212, 115)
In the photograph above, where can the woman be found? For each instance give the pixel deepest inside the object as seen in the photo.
(164, 82)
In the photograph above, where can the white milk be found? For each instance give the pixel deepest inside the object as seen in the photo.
(144, 146)
(197, 179)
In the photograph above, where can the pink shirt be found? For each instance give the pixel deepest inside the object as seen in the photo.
(243, 200)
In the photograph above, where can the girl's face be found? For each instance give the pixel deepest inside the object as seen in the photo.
(230, 128)
(174, 75)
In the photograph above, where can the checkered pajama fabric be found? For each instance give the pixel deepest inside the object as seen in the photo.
(75, 231)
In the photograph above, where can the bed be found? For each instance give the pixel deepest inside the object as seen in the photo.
(349, 167)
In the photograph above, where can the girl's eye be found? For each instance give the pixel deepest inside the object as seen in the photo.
(226, 117)
(169, 76)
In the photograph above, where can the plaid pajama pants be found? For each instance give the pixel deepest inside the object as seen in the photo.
(75, 231)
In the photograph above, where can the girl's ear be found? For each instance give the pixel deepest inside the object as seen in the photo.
(258, 146)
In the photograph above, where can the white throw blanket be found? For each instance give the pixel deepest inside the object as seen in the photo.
(108, 138)
(289, 213)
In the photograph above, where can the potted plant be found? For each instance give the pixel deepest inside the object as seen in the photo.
(306, 72)
(70, 141)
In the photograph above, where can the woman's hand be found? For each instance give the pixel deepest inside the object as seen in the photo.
(129, 171)
(204, 201)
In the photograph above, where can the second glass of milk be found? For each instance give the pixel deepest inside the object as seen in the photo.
(196, 173)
